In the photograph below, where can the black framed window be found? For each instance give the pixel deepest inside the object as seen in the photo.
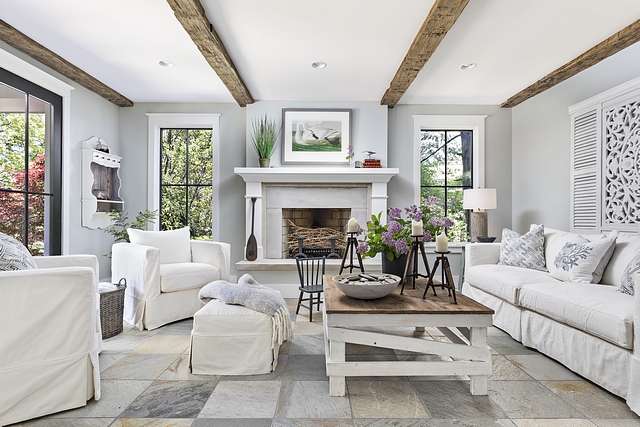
(186, 180)
(446, 169)
(30, 164)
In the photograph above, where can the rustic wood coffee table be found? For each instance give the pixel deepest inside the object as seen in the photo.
(343, 316)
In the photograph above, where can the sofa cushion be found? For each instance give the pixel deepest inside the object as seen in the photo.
(595, 309)
(504, 281)
(220, 319)
(525, 250)
(174, 245)
(186, 275)
(627, 246)
(627, 283)
(14, 255)
(583, 261)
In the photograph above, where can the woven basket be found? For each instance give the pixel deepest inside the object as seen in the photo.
(111, 309)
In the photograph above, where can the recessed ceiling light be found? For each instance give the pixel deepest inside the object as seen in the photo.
(319, 65)
(468, 66)
(167, 64)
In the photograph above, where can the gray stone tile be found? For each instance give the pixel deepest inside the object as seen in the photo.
(309, 422)
(617, 423)
(277, 374)
(407, 422)
(304, 327)
(164, 344)
(66, 422)
(124, 342)
(116, 396)
(365, 349)
(504, 370)
(453, 399)
(591, 400)
(242, 399)
(171, 399)
(385, 399)
(543, 368)
(529, 399)
(575, 422)
(310, 399)
(152, 422)
(179, 371)
(306, 367)
(230, 422)
(307, 344)
(182, 327)
(108, 359)
(507, 345)
(139, 367)
(497, 332)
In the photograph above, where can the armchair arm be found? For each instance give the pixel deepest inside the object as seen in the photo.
(63, 261)
(215, 253)
(140, 266)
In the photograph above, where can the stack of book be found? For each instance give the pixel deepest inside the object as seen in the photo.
(371, 163)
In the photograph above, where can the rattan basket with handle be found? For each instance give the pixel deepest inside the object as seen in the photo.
(111, 310)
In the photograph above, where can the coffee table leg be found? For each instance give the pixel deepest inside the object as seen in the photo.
(337, 385)
(478, 338)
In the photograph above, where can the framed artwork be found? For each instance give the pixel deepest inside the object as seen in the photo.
(316, 136)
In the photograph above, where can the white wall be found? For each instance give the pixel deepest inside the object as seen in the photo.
(541, 141)
(368, 126)
(90, 115)
(133, 137)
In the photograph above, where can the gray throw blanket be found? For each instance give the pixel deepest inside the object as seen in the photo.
(249, 293)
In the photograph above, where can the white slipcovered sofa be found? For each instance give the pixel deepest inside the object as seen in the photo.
(165, 270)
(50, 337)
(587, 327)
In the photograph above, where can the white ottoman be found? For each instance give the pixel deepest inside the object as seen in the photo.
(232, 340)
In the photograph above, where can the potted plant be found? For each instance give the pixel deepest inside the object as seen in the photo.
(393, 239)
(264, 139)
(121, 222)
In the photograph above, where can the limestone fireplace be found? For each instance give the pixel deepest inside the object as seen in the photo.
(363, 191)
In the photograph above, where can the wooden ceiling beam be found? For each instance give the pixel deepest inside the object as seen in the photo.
(614, 44)
(18, 40)
(441, 18)
(191, 15)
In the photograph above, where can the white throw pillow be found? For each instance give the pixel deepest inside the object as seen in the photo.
(627, 284)
(14, 255)
(174, 245)
(583, 261)
(525, 250)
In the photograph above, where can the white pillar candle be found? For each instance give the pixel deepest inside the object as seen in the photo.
(416, 228)
(442, 244)
(352, 226)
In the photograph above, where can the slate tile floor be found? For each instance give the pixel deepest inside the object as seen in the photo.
(145, 382)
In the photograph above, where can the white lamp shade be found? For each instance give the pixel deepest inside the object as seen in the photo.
(479, 198)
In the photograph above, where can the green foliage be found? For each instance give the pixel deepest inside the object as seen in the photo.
(265, 136)
(121, 222)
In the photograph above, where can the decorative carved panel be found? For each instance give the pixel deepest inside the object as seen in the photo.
(622, 165)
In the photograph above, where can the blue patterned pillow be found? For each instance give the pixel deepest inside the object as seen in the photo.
(13, 255)
(583, 261)
(526, 251)
(627, 282)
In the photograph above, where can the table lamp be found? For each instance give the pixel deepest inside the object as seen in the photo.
(479, 198)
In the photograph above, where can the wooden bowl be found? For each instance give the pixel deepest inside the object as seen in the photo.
(367, 289)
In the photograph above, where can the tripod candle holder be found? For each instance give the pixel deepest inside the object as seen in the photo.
(447, 277)
(412, 259)
(350, 250)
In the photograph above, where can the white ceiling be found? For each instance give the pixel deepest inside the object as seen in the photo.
(273, 43)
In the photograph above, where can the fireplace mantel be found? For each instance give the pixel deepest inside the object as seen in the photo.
(318, 174)
(364, 190)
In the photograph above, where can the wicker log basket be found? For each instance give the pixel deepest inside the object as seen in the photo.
(111, 310)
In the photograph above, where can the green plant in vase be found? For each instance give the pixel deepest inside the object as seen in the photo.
(121, 222)
(265, 139)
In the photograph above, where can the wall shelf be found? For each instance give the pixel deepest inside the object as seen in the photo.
(100, 185)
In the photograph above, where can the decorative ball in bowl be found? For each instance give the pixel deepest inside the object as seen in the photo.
(366, 286)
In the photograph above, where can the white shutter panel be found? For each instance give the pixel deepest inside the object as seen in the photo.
(585, 179)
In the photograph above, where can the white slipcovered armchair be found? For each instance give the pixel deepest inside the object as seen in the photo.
(50, 337)
(165, 271)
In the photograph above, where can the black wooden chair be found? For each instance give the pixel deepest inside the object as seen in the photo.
(310, 272)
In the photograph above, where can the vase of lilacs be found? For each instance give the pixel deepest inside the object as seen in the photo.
(393, 239)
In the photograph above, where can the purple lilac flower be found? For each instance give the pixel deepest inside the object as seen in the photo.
(394, 227)
(414, 212)
(362, 247)
(401, 246)
(448, 222)
(426, 237)
(437, 222)
(394, 213)
(430, 202)
(387, 238)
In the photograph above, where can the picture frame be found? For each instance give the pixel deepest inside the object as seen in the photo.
(316, 136)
